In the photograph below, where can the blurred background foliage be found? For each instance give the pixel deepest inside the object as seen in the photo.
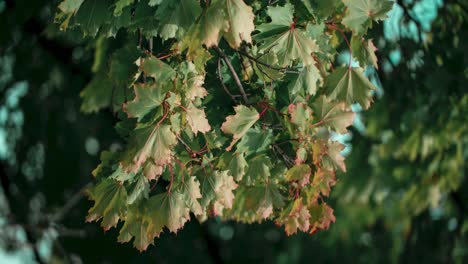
(403, 199)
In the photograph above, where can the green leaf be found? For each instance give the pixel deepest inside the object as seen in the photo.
(137, 223)
(295, 217)
(321, 216)
(154, 142)
(300, 174)
(121, 4)
(232, 19)
(217, 190)
(92, 15)
(97, 94)
(237, 166)
(139, 189)
(350, 86)
(301, 114)
(240, 22)
(167, 210)
(238, 124)
(255, 140)
(256, 203)
(110, 200)
(306, 83)
(196, 119)
(364, 51)
(332, 114)
(160, 71)
(190, 189)
(282, 37)
(69, 9)
(147, 98)
(176, 17)
(323, 181)
(361, 13)
(259, 170)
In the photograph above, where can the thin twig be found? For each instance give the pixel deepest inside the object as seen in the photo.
(258, 61)
(233, 72)
(220, 77)
(69, 205)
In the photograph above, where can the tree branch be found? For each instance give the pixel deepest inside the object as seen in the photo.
(233, 72)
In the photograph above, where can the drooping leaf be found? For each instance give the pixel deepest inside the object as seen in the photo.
(92, 15)
(295, 217)
(361, 13)
(196, 118)
(255, 140)
(239, 124)
(306, 83)
(364, 51)
(167, 210)
(217, 190)
(147, 98)
(282, 37)
(350, 86)
(300, 174)
(321, 216)
(110, 200)
(256, 203)
(190, 189)
(332, 114)
(150, 142)
(136, 226)
(176, 16)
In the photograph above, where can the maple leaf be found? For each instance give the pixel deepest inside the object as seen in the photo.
(167, 210)
(334, 156)
(121, 4)
(232, 19)
(190, 189)
(69, 9)
(110, 200)
(300, 174)
(137, 226)
(92, 15)
(321, 216)
(153, 142)
(364, 51)
(97, 94)
(361, 13)
(147, 98)
(349, 85)
(306, 83)
(139, 189)
(152, 171)
(258, 170)
(295, 217)
(256, 203)
(301, 114)
(196, 119)
(323, 181)
(217, 190)
(255, 140)
(282, 37)
(240, 21)
(333, 114)
(160, 71)
(176, 16)
(237, 165)
(239, 124)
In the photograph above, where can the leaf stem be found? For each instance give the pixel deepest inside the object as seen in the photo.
(335, 27)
